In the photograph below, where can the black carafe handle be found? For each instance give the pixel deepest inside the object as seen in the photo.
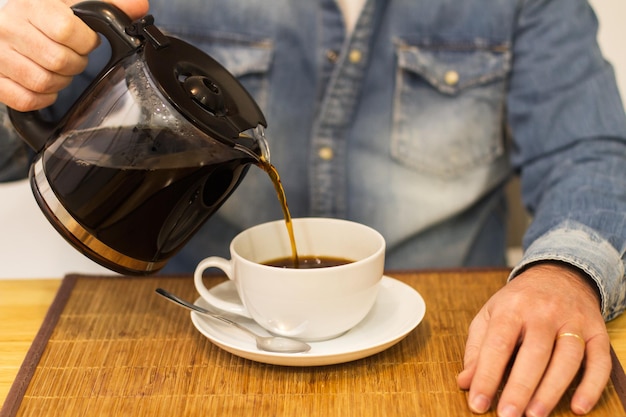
(105, 19)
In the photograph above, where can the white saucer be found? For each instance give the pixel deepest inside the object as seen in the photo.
(397, 311)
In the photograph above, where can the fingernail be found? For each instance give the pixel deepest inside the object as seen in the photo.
(479, 403)
(536, 410)
(581, 407)
(509, 410)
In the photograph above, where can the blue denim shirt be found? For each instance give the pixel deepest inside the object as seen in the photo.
(414, 122)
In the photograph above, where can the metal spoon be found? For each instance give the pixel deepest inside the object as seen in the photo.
(267, 343)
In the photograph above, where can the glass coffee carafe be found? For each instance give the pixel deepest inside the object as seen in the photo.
(152, 148)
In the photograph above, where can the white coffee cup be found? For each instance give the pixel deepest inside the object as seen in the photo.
(308, 304)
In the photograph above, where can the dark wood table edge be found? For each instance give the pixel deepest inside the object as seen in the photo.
(31, 360)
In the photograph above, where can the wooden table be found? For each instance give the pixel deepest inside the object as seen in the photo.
(23, 305)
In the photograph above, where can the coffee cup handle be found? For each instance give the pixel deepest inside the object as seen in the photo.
(224, 265)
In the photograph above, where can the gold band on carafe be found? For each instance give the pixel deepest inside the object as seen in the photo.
(79, 236)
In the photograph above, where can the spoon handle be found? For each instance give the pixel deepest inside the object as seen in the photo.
(179, 301)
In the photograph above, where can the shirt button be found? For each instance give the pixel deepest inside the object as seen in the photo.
(332, 55)
(451, 77)
(355, 56)
(326, 153)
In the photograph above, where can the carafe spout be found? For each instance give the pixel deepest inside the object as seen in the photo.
(258, 149)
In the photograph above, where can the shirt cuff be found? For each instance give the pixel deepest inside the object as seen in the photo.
(582, 247)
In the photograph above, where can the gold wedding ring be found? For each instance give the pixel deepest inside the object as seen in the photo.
(574, 335)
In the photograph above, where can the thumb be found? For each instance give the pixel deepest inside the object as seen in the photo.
(133, 8)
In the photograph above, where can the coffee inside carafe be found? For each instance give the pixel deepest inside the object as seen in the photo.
(143, 193)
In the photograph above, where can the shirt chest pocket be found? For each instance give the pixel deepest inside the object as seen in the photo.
(449, 104)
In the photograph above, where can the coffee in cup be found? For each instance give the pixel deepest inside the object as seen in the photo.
(308, 262)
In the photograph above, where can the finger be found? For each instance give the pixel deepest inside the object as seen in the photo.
(500, 341)
(21, 99)
(65, 29)
(23, 48)
(50, 56)
(566, 360)
(527, 371)
(29, 75)
(476, 334)
(596, 375)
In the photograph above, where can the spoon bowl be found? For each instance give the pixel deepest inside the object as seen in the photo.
(276, 344)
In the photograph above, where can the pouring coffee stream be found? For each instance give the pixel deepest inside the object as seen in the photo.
(263, 162)
(282, 198)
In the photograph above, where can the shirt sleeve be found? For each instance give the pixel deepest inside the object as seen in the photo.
(569, 145)
(14, 153)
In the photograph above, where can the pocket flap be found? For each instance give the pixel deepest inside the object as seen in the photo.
(451, 69)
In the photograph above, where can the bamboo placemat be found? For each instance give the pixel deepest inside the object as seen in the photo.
(110, 347)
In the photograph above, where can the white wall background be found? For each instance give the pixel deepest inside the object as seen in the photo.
(29, 246)
(612, 36)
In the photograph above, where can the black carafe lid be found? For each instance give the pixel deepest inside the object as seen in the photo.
(196, 85)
